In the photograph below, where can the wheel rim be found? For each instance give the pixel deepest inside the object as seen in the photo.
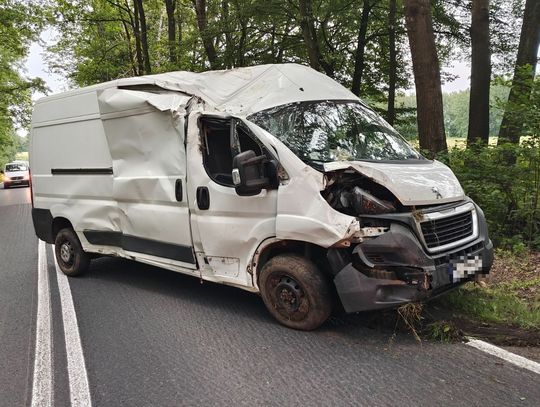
(66, 253)
(288, 297)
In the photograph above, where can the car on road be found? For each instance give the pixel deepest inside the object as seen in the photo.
(16, 173)
(274, 179)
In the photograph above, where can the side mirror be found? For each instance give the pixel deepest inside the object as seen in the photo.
(248, 173)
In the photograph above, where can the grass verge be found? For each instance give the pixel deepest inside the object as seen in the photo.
(499, 304)
(504, 308)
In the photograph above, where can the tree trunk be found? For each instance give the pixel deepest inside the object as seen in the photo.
(392, 62)
(137, 34)
(242, 43)
(529, 42)
(202, 23)
(283, 43)
(130, 51)
(361, 47)
(170, 6)
(179, 21)
(229, 57)
(309, 34)
(144, 36)
(480, 75)
(427, 76)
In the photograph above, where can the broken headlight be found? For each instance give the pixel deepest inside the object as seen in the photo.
(365, 203)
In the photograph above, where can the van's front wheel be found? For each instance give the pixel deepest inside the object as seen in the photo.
(295, 292)
(70, 256)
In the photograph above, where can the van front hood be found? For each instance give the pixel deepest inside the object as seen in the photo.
(418, 183)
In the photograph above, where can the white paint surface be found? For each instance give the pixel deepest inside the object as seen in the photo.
(79, 390)
(42, 380)
(413, 184)
(510, 357)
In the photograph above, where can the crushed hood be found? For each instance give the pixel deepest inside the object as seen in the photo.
(413, 184)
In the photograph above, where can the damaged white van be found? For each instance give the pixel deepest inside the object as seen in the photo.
(274, 179)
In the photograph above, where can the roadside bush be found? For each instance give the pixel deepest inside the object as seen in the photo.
(509, 194)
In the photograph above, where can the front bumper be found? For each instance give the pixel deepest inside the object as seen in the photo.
(12, 181)
(415, 274)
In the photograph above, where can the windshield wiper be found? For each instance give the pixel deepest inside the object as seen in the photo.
(317, 164)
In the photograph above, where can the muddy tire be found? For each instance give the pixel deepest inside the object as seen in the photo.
(295, 292)
(70, 256)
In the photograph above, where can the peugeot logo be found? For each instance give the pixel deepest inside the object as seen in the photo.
(435, 190)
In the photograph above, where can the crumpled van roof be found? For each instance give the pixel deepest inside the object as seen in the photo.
(240, 90)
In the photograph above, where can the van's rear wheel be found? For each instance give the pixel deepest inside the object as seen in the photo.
(70, 256)
(295, 292)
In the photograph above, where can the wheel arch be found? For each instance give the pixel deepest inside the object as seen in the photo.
(273, 247)
(60, 223)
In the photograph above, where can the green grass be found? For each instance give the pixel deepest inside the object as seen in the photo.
(461, 142)
(498, 304)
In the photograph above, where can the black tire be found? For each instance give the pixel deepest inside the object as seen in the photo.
(295, 292)
(71, 257)
(6, 185)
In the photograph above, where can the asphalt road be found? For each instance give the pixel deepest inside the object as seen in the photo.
(151, 337)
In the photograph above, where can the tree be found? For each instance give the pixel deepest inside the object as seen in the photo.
(480, 75)
(524, 72)
(392, 62)
(361, 46)
(309, 32)
(20, 24)
(206, 36)
(170, 6)
(427, 76)
(141, 17)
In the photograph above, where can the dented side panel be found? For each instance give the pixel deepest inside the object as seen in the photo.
(137, 144)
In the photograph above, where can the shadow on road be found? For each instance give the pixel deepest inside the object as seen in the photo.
(243, 304)
(14, 195)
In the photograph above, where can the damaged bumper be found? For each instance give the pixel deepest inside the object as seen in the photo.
(396, 268)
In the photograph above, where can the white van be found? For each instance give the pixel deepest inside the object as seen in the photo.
(274, 179)
(16, 173)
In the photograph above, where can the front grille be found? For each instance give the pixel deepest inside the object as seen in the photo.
(16, 178)
(443, 231)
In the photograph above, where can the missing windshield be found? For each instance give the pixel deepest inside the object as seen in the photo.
(326, 131)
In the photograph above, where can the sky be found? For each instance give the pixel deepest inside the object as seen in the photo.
(36, 66)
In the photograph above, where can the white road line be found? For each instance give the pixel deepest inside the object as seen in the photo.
(505, 355)
(42, 379)
(78, 381)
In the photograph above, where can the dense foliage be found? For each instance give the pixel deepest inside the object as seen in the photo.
(508, 191)
(20, 24)
(350, 40)
(508, 194)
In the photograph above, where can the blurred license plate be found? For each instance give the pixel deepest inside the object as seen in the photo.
(464, 267)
